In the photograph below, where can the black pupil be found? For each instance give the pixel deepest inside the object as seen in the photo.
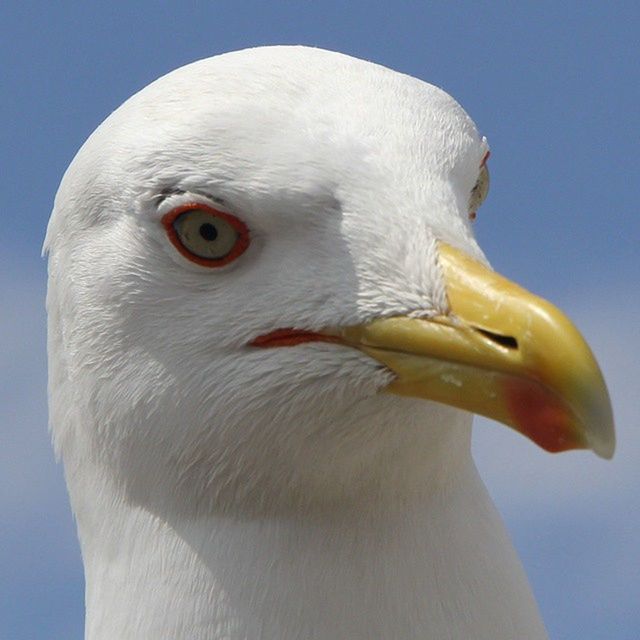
(208, 231)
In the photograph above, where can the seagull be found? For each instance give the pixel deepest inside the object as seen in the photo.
(269, 326)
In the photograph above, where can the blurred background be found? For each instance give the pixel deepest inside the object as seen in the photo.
(555, 86)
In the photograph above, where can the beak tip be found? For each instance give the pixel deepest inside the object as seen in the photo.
(601, 438)
(604, 447)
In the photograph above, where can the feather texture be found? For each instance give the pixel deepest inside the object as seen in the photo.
(229, 492)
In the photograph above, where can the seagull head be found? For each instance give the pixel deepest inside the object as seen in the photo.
(264, 286)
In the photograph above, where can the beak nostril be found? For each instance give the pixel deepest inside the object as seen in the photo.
(504, 341)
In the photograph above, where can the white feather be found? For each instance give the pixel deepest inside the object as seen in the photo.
(229, 492)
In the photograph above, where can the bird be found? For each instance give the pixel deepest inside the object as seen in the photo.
(269, 327)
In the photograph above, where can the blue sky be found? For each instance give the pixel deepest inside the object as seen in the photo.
(555, 87)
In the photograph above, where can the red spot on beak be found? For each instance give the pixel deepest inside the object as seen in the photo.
(541, 416)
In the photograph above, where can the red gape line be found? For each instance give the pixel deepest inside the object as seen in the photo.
(290, 338)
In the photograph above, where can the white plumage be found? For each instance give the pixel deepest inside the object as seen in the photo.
(227, 491)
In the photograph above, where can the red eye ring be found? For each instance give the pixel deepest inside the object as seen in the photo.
(240, 246)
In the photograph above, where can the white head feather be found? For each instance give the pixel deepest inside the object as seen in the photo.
(346, 174)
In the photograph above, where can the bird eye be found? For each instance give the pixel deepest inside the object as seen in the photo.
(479, 192)
(206, 236)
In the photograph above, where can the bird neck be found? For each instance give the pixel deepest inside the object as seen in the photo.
(434, 565)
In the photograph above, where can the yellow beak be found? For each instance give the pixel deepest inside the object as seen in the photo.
(500, 352)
